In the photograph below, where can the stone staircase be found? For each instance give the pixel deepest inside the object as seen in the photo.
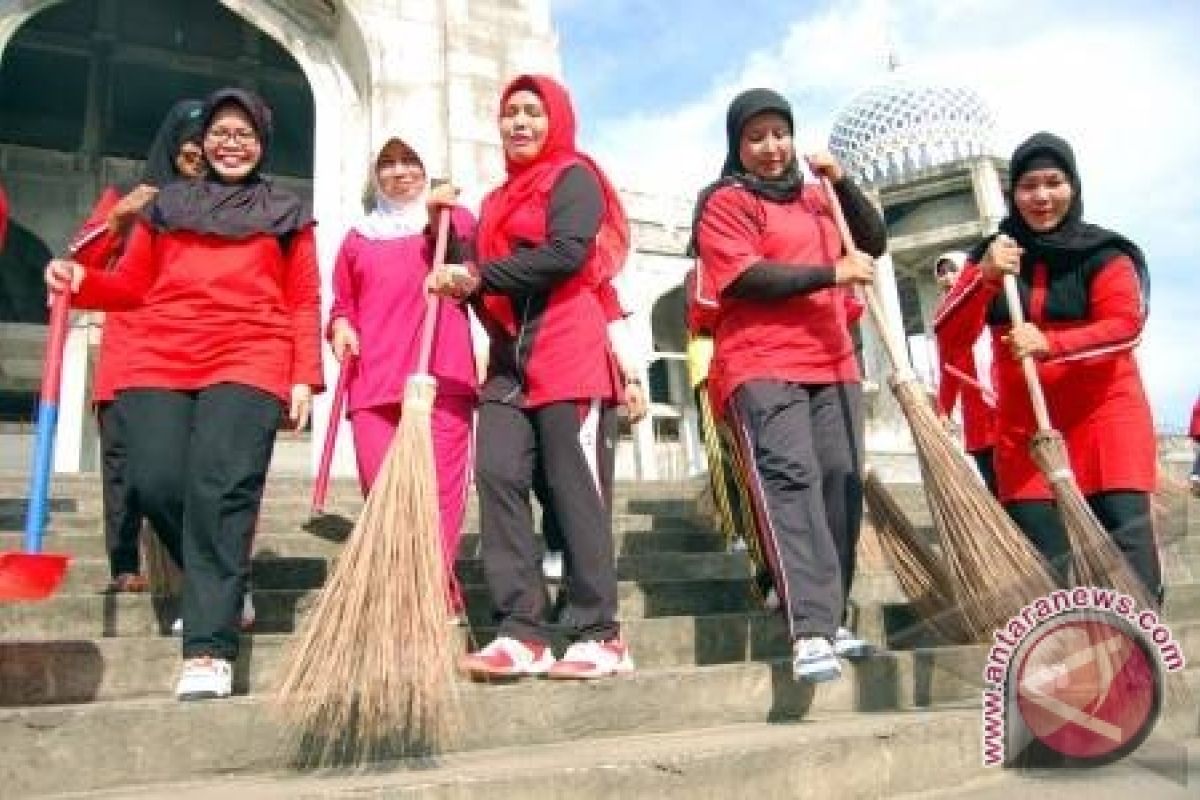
(712, 712)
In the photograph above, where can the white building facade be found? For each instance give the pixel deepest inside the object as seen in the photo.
(343, 76)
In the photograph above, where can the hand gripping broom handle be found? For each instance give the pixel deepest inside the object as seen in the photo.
(431, 303)
(1036, 397)
(895, 350)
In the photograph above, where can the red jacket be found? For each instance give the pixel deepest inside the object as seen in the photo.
(1194, 429)
(804, 338)
(215, 310)
(978, 411)
(100, 252)
(1090, 379)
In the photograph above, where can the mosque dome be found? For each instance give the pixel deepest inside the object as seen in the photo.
(898, 129)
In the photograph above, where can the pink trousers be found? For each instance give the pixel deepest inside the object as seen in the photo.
(373, 430)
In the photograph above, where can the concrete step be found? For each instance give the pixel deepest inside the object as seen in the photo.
(823, 757)
(327, 541)
(1170, 771)
(88, 616)
(58, 672)
(86, 576)
(898, 626)
(283, 521)
(70, 748)
(53, 672)
(87, 486)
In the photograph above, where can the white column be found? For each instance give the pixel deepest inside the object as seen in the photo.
(71, 439)
(644, 443)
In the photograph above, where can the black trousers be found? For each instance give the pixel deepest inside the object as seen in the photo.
(198, 463)
(1125, 515)
(573, 441)
(551, 530)
(985, 460)
(122, 517)
(802, 445)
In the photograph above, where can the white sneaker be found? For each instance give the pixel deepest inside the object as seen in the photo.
(814, 660)
(205, 679)
(248, 616)
(552, 565)
(848, 644)
(177, 627)
(771, 601)
(586, 660)
(506, 657)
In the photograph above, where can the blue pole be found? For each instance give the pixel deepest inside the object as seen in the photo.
(39, 479)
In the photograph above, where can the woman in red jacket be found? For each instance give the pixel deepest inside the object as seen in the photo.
(961, 378)
(227, 342)
(1084, 290)
(174, 154)
(784, 374)
(549, 238)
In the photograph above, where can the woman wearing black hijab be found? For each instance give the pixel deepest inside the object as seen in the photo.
(784, 374)
(174, 154)
(1084, 290)
(224, 270)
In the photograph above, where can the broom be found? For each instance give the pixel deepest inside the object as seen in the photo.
(920, 574)
(1095, 558)
(994, 569)
(371, 673)
(321, 483)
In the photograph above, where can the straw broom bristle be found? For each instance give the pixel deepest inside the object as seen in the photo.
(921, 576)
(1096, 560)
(371, 673)
(994, 569)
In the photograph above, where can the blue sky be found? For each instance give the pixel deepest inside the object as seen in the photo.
(1120, 80)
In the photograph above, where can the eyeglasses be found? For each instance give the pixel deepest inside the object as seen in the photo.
(241, 136)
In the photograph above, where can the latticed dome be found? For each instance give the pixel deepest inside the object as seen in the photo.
(891, 131)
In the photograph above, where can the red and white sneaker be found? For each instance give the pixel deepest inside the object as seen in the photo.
(506, 657)
(587, 660)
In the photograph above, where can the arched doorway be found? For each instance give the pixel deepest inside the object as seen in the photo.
(673, 410)
(84, 83)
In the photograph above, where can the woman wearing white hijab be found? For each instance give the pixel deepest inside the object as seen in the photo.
(378, 307)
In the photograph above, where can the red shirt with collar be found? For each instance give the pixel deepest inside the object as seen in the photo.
(804, 338)
(214, 310)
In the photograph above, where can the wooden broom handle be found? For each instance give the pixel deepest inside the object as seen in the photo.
(431, 302)
(1036, 396)
(895, 350)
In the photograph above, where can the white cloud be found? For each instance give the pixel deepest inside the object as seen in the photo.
(1120, 85)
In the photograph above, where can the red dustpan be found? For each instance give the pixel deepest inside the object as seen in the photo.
(32, 574)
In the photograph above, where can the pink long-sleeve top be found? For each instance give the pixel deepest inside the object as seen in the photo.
(378, 287)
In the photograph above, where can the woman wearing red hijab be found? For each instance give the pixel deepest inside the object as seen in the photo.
(549, 238)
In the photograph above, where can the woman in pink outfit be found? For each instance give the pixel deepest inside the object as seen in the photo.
(378, 307)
